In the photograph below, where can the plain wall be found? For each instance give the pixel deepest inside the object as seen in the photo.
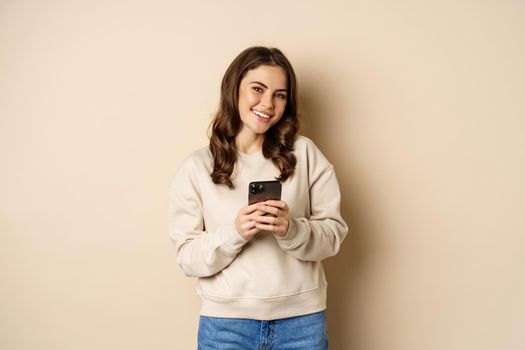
(419, 105)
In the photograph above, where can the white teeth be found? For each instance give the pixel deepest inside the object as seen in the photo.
(261, 114)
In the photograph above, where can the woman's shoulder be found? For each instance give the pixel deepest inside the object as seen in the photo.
(305, 144)
(193, 167)
(306, 149)
(198, 159)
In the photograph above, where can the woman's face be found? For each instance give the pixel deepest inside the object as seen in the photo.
(262, 98)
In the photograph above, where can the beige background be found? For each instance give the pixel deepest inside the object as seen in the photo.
(419, 104)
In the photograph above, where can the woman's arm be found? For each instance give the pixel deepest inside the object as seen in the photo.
(319, 236)
(200, 253)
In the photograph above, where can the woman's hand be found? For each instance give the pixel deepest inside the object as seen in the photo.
(276, 219)
(245, 223)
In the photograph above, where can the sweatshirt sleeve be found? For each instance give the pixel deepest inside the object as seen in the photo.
(320, 235)
(200, 253)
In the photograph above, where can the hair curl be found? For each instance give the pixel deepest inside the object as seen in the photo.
(279, 140)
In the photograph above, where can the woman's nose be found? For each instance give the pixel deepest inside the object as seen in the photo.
(267, 100)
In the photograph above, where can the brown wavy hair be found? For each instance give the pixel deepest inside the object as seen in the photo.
(279, 140)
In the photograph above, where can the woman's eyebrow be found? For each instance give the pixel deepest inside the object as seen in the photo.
(266, 87)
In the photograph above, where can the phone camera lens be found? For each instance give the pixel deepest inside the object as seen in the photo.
(256, 188)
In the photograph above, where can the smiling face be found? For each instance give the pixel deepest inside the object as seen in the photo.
(262, 99)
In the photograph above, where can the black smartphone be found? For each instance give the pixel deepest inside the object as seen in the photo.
(260, 191)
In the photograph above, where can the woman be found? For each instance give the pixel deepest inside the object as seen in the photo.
(261, 279)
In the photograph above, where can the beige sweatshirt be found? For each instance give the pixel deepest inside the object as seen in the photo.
(268, 277)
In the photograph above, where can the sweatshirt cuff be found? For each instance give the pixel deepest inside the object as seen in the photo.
(292, 235)
(231, 240)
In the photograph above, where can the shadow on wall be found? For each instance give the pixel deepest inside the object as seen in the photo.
(346, 271)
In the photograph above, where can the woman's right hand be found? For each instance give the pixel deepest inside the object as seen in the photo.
(244, 222)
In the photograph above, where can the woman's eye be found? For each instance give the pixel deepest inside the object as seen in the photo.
(258, 89)
(281, 96)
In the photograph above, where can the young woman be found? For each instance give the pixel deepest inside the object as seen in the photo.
(261, 279)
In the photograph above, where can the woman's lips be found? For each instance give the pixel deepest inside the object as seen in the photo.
(262, 117)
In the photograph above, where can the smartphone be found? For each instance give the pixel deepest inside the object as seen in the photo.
(260, 191)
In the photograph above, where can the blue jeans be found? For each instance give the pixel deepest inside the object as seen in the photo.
(306, 332)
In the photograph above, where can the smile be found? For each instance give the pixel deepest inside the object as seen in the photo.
(261, 114)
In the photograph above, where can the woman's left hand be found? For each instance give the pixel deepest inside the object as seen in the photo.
(276, 220)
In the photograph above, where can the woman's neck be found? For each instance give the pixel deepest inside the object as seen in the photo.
(249, 142)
